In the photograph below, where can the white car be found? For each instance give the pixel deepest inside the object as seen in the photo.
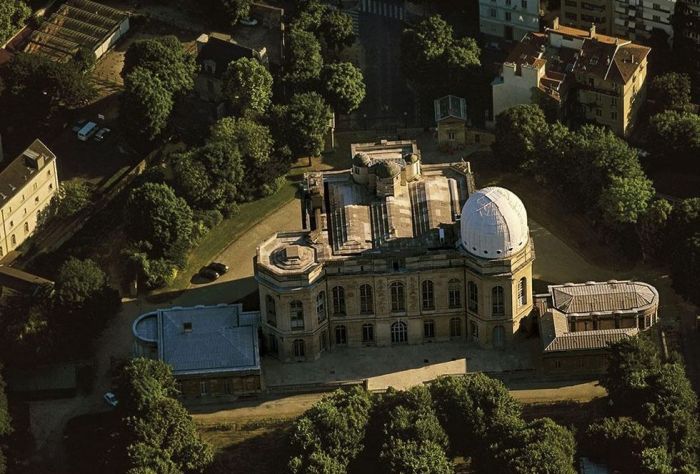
(111, 399)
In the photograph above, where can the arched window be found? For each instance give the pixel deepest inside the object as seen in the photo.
(296, 313)
(522, 291)
(299, 348)
(399, 332)
(321, 306)
(398, 297)
(455, 327)
(271, 311)
(473, 293)
(498, 307)
(341, 335)
(454, 293)
(338, 300)
(367, 333)
(366, 300)
(499, 337)
(427, 295)
(26, 227)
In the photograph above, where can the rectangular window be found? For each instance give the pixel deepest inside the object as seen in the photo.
(656, 18)
(203, 387)
(508, 16)
(367, 333)
(571, 16)
(598, 112)
(570, 3)
(450, 135)
(613, 115)
(492, 12)
(428, 329)
(227, 387)
(508, 2)
(523, 3)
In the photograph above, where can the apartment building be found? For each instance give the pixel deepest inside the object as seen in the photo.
(509, 19)
(590, 76)
(635, 20)
(27, 185)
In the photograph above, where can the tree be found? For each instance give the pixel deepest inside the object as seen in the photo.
(247, 86)
(517, 129)
(13, 15)
(344, 86)
(209, 177)
(166, 59)
(336, 29)
(73, 197)
(631, 362)
(156, 215)
(304, 60)
(625, 199)
(85, 59)
(412, 457)
(651, 228)
(143, 381)
(309, 15)
(673, 140)
(618, 442)
(146, 104)
(683, 231)
(671, 91)
(79, 281)
(306, 121)
(237, 10)
(542, 447)
(5, 427)
(255, 144)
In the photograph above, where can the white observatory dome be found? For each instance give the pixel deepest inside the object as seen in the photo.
(494, 223)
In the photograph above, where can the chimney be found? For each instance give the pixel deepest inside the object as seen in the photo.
(555, 23)
(591, 31)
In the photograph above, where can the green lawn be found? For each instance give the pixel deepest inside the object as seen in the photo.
(230, 230)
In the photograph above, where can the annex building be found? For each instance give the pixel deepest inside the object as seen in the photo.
(27, 185)
(213, 350)
(395, 251)
(583, 74)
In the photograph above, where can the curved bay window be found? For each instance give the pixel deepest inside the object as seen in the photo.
(473, 294)
(296, 314)
(454, 293)
(338, 300)
(498, 307)
(428, 295)
(398, 297)
(366, 300)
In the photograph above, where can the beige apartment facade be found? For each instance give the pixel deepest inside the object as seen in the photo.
(27, 186)
(395, 255)
(590, 76)
(582, 14)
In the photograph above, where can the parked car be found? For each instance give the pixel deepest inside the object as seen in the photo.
(111, 399)
(250, 21)
(219, 267)
(102, 134)
(209, 273)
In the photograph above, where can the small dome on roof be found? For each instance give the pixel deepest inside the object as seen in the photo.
(411, 158)
(387, 169)
(361, 159)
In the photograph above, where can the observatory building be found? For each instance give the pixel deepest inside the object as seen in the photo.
(395, 251)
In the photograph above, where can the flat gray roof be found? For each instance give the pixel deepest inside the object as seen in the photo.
(203, 339)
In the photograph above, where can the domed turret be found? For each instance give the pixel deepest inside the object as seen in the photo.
(494, 223)
(361, 159)
(386, 169)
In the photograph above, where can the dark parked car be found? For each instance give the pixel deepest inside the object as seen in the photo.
(209, 273)
(218, 267)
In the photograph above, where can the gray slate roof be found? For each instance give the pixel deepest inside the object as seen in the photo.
(556, 338)
(602, 296)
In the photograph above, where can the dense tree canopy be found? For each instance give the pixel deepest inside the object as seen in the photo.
(683, 238)
(155, 214)
(13, 15)
(651, 229)
(165, 58)
(209, 177)
(236, 10)
(625, 199)
(517, 130)
(674, 140)
(5, 427)
(336, 29)
(306, 121)
(146, 104)
(671, 91)
(304, 60)
(247, 86)
(344, 86)
(78, 281)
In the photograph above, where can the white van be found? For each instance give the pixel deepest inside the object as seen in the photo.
(87, 131)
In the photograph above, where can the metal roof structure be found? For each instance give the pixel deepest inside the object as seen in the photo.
(203, 339)
(76, 24)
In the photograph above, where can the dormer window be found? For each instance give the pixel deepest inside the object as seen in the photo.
(187, 327)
